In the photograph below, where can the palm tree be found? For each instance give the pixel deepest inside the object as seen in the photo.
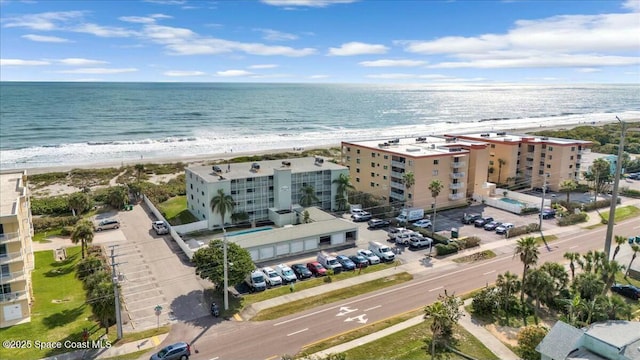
(501, 162)
(568, 186)
(527, 249)
(408, 179)
(608, 275)
(102, 302)
(539, 285)
(435, 187)
(587, 263)
(588, 285)
(223, 204)
(507, 284)
(439, 317)
(593, 308)
(635, 249)
(139, 169)
(343, 182)
(559, 279)
(573, 258)
(308, 197)
(620, 240)
(79, 202)
(83, 234)
(573, 307)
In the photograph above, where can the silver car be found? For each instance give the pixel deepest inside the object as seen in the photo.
(107, 224)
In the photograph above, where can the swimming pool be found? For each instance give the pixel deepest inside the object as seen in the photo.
(513, 201)
(249, 231)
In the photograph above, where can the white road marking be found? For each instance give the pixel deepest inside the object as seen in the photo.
(489, 272)
(344, 310)
(361, 319)
(298, 332)
(215, 358)
(371, 308)
(438, 288)
(573, 247)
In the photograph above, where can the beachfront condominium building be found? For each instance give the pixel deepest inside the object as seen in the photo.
(530, 160)
(379, 167)
(16, 254)
(262, 187)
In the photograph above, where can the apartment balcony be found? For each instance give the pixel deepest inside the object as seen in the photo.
(10, 237)
(396, 185)
(454, 197)
(396, 174)
(11, 257)
(456, 185)
(12, 277)
(14, 296)
(397, 164)
(457, 175)
(395, 196)
(458, 164)
(529, 163)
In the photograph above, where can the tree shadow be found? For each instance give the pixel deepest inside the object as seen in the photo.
(60, 271)
(63, 317)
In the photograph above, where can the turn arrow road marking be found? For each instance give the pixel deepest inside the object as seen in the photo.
(344, 310)
(361, 319)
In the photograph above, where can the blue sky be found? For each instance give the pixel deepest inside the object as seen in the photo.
(334, 41)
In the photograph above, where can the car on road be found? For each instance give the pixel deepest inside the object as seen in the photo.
(107, 224)
(301, 271)
(347, 264)
(548, 213)
(470, 218)
(482, 221)
(502, 229)
(271, 276)
(180, 350)
(629, 291)
(492, 225)
(378, 224)
(316, 268)
(361, 217)
(370, 256)
(359, 260)
(424, 223)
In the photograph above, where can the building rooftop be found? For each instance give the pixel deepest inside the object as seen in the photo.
(418, 146)
(616, 333)
(10, 190)
(263, 168)
(502, 136)
(562, 340)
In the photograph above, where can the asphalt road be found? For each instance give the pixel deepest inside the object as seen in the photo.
(217, 339)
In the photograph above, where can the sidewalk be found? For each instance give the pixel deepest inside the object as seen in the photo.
(112, 352)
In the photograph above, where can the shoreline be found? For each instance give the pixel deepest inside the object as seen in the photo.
(199, 159)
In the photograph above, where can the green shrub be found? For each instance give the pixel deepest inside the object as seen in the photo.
(442, 249)
(66, 231)
(524, 229)
(486, 302)
(631, 193)
(50, 205)
(529, 210)
(48, 223)
(472, 241)
(572, 219)
(88, 266)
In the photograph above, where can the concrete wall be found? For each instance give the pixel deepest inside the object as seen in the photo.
(174, 234)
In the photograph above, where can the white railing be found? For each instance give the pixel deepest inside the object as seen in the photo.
(397, 164)
(10, 257)
(9, 237)
(454, 197)
(458, 164)
(457, 175)
(456, 185)
(396, 174)
(396, 185)
(13, 296)
(12, 276)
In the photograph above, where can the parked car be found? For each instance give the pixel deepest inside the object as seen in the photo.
(370, 256)
(629, 291)
(424, 223)
(540, 189)
(286, 273)
(107, 224)
(316, 268)
(378, 224)
(482, 221)
(271, 276)
(180, 350)
(417, 242)
(301, 271)
(360, 261)
(470, 218)
(403, 237)
(347, 264)
(548, 213)
(502, 229)
(492, 225)
(356, 211)
(160, 227)
(361, 217)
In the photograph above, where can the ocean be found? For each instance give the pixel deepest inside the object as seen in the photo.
(80, 123)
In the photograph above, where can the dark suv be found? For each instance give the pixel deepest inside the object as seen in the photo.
(482, 221)
(548, 213)
(377, 224)
(470, 218)
(629, 291)
(180, 350)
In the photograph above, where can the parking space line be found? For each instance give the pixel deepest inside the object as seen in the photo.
(237, 317)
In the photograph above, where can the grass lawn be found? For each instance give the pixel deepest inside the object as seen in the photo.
(175, 211)
(622, 213)
(410, 344)
(479, 256)
(547, 238)
(42, 236)
(332, 296)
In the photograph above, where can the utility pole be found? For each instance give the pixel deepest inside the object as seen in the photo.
(614, 193)
(544, 190)
(596, 187)
(115, 278)
(226, 270)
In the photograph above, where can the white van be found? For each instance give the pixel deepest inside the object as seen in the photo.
(286, 273)
(256, 281)
(383, 251)
(329, 262)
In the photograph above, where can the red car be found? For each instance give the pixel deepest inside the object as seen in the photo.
(316, 268)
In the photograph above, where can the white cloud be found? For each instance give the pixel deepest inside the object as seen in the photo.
(307, 3)
(357, 48)
(42, 38)
(319, 76)
(588, 70)
(263, 66)
(104, 31)
(80, 62)
(540, 60)
(137, 19)
(167, 2)
(233, 73)
(183, 73)
(392, 76)
(20, 62)
(633, 5)
(98, 71)
(275, 35)
(43, 21)
(390, 63)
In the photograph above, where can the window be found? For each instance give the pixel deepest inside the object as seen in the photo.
(348, 148)
(436, 162)
(372, 184)
(386, 157)
(548, 166)
(435, 172)
(550, 148)
(6, 288)
(191, 199)
(571, 157)
(357, 170)
(357, 151)
(540, 172)
(491, 162)
(570, 166)
(573, 148)
(191, 189)
(373, 175)
(410, 162)
(384, 177)
(373, 164)
(348, 158)
(385, 167)
(358, 161)
(550, 157)
(409, 196)
(326, 240)
(233, 192)
(202, 195)
(373, 154)
(357, 179)
(4, 270)
(493, 146)
(249, 191)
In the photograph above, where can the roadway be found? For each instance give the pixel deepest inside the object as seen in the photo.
(218, 339)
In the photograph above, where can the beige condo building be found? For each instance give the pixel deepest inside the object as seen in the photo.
(16, 254)
(529, 160)
(378, 167)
